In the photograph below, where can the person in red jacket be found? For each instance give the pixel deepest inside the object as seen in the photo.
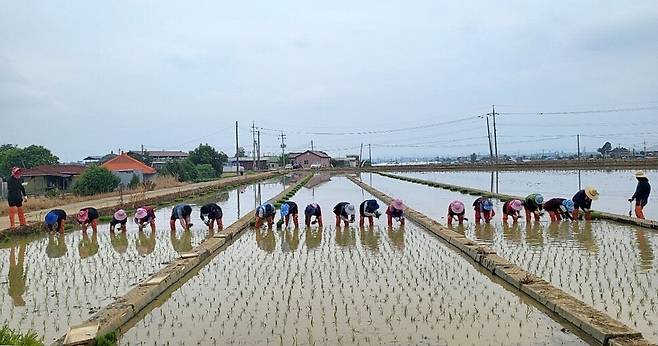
(456, 208)
(512, 208)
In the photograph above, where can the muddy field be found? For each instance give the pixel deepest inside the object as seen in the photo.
(610, 266)
(53, 282)
(349, 286)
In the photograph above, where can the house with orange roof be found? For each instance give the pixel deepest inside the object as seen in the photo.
(125, 167)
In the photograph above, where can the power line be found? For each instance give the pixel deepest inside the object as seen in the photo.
(594, 111)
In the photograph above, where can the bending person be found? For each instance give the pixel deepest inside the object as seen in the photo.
(368, 209)
(559, 208)
(533, 204)
(265, 213)
(346, 212)
(313, 210)
(582, 200)
(212, 213)
(456, 209)
(395, 211)
(182, 213)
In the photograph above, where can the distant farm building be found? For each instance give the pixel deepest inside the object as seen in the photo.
(310, 158)
(161, 157)
(125, 167)
(41, 179)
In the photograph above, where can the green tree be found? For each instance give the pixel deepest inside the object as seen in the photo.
(242, 152)
(145, 158)
(28, 157)
(205, 154)
(205, 171)
(95, 179)
(183, 170)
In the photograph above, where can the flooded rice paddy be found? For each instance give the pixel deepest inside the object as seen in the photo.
(53, 282)
(610, 266)
(344, 286)
(615, 186)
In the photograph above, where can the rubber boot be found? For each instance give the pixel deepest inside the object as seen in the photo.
(12, 217)
(21, 216)
(639, 213)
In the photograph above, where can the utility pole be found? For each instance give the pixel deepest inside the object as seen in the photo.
(578, 139)
(142, 149)
(253, 138)
(361, 156)
(493, 113)
(489, 136)
(312, 148)
(369, 155)
(258, 148)
(283, 149)
(645, 148)
(237, 155)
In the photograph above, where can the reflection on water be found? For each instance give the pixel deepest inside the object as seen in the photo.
(63, 278)
(368, 289)
(182, 243)
(646, 250)
(290, 240)
(17, 275)
(88, 246)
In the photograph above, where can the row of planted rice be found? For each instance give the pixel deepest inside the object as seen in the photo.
(399, 285)
(615, 186)
(608, 265)
(56, 281)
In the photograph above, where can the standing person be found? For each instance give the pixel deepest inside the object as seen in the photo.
(56, 216)
(119, 218)
(214, 213)
(313, 210)
(512, 208)
(395, 211)
(559, 208)
(641, 195)
(265, 212)
(145, 215)
(87, 217)
(533, 204)
(368, 209)
(456, 208)
(346, 212)
(15, 197)
(182, 213)
(583, 200)
(483, 208)
(289, 208)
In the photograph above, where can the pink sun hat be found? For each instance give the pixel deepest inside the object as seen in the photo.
(120, 215)
(516, 204)
(83, 216)
(140, 213)
(397, 204)
(457, 207)
(16, 171)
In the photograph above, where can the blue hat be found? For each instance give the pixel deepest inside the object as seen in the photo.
(285, 209)
(539, 199)
(568, 204)
(487, 205)
(51, 218)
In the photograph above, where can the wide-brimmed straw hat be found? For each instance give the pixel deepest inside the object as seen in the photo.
(350, 209)
(516, 204)
(397, 204)
(640, 174)
(16, 171)
(457, 207)
(592, 193)
(83, 216)
(141, 213)
(120, 215)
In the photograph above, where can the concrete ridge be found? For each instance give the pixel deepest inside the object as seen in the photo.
(124, 308)
(108, 204)
(503, 197)
(589, 320)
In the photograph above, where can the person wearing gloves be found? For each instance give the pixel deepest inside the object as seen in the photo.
(211, 213)
(483, 209)
(641, 195)
(265, 212)
(145, 215)
(313, 210)
(56, 217)
(533, 205)
(87, 217)
(346, 212)
(395, 211)
(15, 197)
(559, 208)
(182, 213)
(288, 209)
(512, 208)
(583, 200)
(368, 209)
(119, 218)
(456, 208)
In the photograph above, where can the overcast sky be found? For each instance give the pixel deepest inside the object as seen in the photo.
(87, 77)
